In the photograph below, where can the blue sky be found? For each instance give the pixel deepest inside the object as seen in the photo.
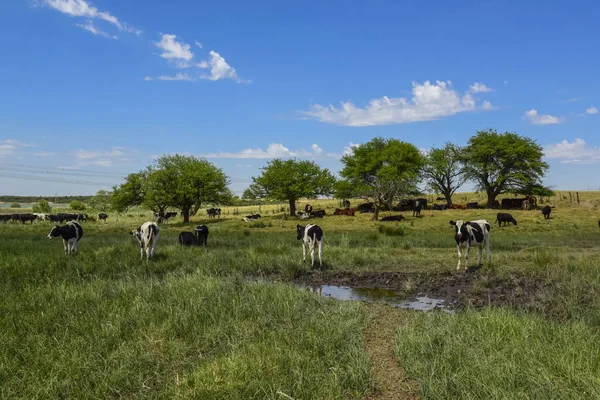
(93, 90)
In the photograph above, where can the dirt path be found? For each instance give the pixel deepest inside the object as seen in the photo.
(379, 340)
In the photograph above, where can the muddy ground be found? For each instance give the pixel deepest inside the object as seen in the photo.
(459, 290)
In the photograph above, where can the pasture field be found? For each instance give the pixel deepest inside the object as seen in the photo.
(232, 321)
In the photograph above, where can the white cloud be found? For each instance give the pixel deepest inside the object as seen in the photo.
(275, 150)
(429, 102)
(103, 158)
(44, 153)
(10, 146)
(177, 77)
(591, 110)
(203, 64)
(148, 78)
(79, 8)
(219, 69)
(541, 119)
(479, 87)
(572, 100)
(349, 150)
(90, 27)
(577, 152)
(198, 44)
(487, 106)
(174, 50)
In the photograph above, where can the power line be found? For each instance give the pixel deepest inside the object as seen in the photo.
(54, 180)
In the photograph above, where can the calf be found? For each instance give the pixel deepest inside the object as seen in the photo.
(417, 209)
(506, 218)
(472, 233)
(147, 236)
(102, 217)
(346, 211)
(311, 235)
(187, 239)
(201, 233)
(546, 212)
(392, 218)
(252, 217)
(70, 233)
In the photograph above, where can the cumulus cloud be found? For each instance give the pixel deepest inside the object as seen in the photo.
(80, 8)
(576, 152)
(591, 110)
(479, 87)
(219, 69)
(541, 119)
(488, 106)
(429, 102)
(103, 158)
(175, 51)
(275, 150)
(90, 27)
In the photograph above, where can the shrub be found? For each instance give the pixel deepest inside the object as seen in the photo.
(77, 205)
(15, 205)
(42, 207)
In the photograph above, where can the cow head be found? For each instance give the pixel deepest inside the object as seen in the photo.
(300, 231)
(54, 232)
(460, 229)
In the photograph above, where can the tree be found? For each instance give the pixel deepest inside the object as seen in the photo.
(500, 163)
(42, 207)
(15, 205)
(444, 171)
(291, 180)
(343, 190)
(130, 193)
(77, 205)
(383, 170)
(100, 201)
(253, 192)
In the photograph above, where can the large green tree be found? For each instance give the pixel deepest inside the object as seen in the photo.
(444, 171)
(383, 170)
(503, 162)
(290, 180)
(182, 182)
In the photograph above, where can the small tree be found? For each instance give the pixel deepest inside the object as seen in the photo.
(383, 170)
(77, 205)
(15, 205)
(100, 201)
(443, 170)
(42, 207)
(501, 163)
(291, 180)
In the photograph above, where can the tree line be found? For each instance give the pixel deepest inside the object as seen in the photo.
(381, 171)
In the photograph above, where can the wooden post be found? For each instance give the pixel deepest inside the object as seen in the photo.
(570, 197)
(577, 197)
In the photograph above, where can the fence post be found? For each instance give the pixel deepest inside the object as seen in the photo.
(577, 197)
(570, 198)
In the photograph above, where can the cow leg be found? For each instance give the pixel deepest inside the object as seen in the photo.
(66, 246)
(479, 251)
(312, 255)
(459, 256)
(303, 252)
(321, 253)
(467, 248)
(74, 246)
(141, 251)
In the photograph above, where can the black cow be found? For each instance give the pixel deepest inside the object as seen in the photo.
(187, 239)
(201, 232)
(24, 217)
(440, 207)
(71, 233)
(392, 218)
(505, 218)
(102, 217)
(317, 213)
(473, 206)
(546, 212)
(509, 203)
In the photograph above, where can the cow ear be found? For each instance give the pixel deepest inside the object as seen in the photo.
(452, 223)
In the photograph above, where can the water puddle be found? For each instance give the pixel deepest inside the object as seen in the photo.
(421, 303)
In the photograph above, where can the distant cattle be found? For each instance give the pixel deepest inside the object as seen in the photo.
(147, 236)
(317, 214)
(102, 217)
(311, 236)
(187, 239)
(505, 218)
(214, 213)
(510, 203)
(71, 233)
(455, 206)
(347, 203)
(365, 208)
(22, 218)
(440, 199)
(252, 217)
(164, 216)
(345, 211)
(546, 212)
(392, 218)
(439, 207)
(471, 233)
(5, 218)
(201, 233)
(472, 206)
(417, 209)
(409, 204)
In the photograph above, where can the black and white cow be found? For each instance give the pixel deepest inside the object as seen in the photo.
(71, 233)
(201, 233)
(506, 218)
(147, 236)
(472, 233)
(251, 217)
(311, 236)
(417, 209)
(213, 213)
(187, 239)
(102, 217)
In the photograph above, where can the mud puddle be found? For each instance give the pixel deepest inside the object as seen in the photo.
(388, 296)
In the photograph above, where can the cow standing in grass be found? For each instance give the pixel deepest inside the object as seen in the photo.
(201, 233)
(505, 218)
(546, 212)
(311, 236)
(147, 236)
(472, 233)
(70, 233)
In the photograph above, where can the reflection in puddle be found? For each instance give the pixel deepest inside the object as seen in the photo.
(422, 303)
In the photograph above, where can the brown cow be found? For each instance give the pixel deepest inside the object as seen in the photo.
(346, 211)
(455, 206)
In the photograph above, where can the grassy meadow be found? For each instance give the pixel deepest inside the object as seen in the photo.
(225, 323)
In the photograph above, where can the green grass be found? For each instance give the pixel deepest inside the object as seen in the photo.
(499, 354)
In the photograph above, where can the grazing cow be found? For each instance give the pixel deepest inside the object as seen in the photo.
(311, 235)
(187, 239)
(473, 206)
(24, 218)
(346, 211)
(213, 213)
(471, 233)
(439, 207)
(252, 217)
(317, 213)
(5, 217)
(147, 236)
(392, 218)
(70, 233)
(526, 205)
(505, 218)
(546, 212)
(417, 209)
(201, 232)
(102, 217)
(308, 208)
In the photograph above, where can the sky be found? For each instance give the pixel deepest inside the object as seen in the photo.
(93, 90)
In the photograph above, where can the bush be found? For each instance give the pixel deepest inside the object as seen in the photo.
(15, 205)
(77, 205)
(42, 207)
